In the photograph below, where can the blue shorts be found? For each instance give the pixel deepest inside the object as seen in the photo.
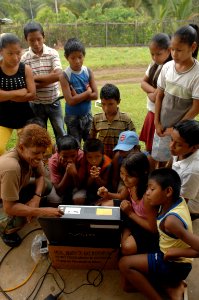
(168, 272)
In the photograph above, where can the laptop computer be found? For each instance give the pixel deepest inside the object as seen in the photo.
(84, 226)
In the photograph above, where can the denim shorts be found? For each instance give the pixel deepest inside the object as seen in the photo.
(79, 126)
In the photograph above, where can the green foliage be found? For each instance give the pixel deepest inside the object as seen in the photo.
(46, 15)
(115, 14)
(182, 9)
(100, 23)
(99, 10)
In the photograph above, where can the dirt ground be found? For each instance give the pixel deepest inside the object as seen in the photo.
(120, 75)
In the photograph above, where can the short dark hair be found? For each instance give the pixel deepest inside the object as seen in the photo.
(188, 35)
(110, 91)
(67, 142)
(137, 165)
(7, 39)
(189, 131)
(166, 177)
(31, 27)
(73, 45)
(93, 145)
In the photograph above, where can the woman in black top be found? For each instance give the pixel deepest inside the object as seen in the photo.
(17, 87)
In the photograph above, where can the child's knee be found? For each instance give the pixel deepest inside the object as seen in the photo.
(128, 244)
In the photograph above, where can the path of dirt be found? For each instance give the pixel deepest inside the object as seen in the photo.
(120, 75)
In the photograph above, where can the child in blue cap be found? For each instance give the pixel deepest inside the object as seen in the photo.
(128, 142)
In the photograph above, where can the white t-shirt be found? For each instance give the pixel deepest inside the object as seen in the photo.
(150, 104)
(179, 91)
(188, 170)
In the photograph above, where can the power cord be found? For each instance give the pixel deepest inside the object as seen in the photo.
(3, 258)
(98, 279)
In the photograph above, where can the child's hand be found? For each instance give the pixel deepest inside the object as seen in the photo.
(126, 207)
(168, 131)
(159, 130)
(71, 169)
(102, 192)
(73, 91)
(88, 88)
(95, 171)
(152, 96)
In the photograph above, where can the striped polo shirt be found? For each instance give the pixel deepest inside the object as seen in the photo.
(108, 132)
(41, 65)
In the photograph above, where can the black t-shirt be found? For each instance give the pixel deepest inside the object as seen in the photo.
(14, 114)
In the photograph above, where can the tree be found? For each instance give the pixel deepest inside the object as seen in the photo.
(79, 7)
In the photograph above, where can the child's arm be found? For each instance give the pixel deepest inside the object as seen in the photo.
(193, 111)
(191, 114)
(99, 179)
(104, 193)
(174, 253)
(43, 80)
(152, 96)
(149, 89)
(151, 212)
(73, 98)
(173, 225)
(70, 179)
(146, 86)
(46, 79)
(158, 106)
(93, 86)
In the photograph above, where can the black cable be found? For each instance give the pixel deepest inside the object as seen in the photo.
(95, 282)
(6, 254)
(6, 295)
(44, 276)
(90, 282)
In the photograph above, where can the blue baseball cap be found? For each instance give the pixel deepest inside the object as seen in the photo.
(127, 140)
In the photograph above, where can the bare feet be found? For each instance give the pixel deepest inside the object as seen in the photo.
(177, 292)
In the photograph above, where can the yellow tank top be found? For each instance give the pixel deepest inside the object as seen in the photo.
(181, 211)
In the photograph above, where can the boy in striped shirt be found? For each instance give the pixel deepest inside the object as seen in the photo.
(46, 66)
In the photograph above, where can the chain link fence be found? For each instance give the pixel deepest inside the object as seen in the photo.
(103, 34)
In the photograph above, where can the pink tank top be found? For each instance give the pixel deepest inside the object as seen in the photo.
(138, 207)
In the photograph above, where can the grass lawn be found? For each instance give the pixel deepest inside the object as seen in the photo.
(133, 101)
(103, 58)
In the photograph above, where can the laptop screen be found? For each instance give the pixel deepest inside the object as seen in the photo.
(84, 226)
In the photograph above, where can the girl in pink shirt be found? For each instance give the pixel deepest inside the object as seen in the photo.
(140, 230)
